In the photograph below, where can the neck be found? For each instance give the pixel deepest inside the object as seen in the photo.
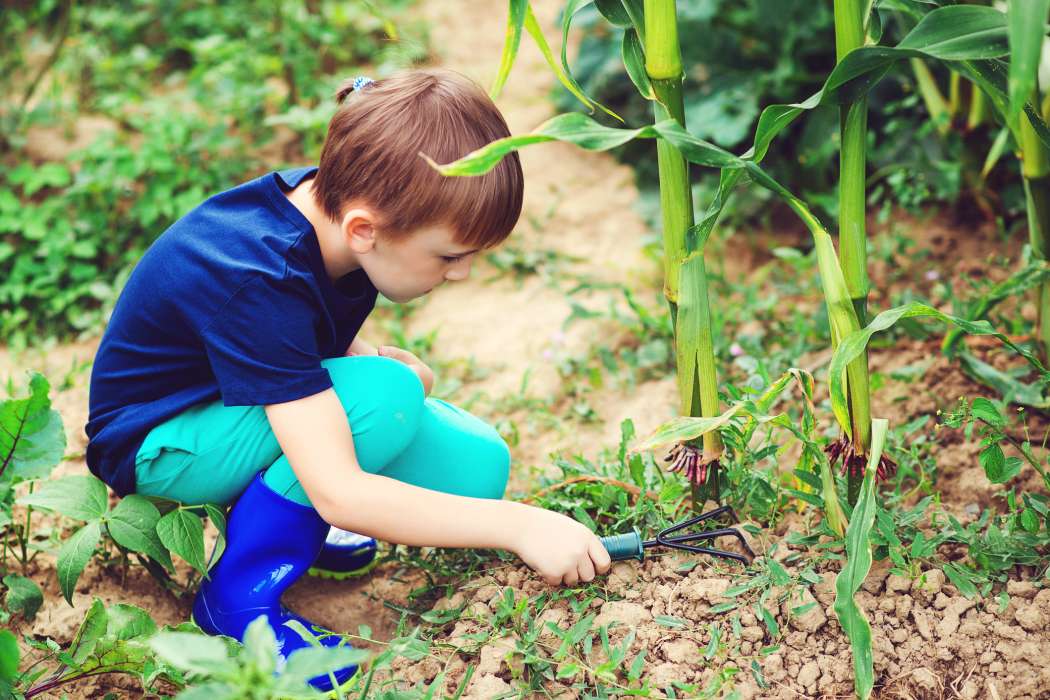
(337, 256)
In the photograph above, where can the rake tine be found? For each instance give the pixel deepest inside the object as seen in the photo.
(681, 541)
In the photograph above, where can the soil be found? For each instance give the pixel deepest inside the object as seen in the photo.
(929, 641)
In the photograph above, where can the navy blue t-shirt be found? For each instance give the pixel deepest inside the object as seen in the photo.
(232, 301)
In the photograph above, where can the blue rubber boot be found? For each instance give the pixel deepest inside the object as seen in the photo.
(271, 542)
(344, 555)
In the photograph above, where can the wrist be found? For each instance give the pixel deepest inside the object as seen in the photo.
(515, 526)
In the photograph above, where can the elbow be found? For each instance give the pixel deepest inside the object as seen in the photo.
(335, 502)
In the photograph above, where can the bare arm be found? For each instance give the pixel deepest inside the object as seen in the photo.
(314, 434)
(359, 346)
(362, 347)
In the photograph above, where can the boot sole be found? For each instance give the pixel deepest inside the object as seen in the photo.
(341, 575)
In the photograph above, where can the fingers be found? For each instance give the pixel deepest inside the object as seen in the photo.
(600, 556)
(397, 353)
(585, 569)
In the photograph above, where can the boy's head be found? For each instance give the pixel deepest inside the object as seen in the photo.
(371, 171)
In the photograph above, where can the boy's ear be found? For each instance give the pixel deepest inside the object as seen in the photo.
(358, 227)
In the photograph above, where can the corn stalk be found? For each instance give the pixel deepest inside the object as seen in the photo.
(853, 128)
(1026, 21)
(685, 273)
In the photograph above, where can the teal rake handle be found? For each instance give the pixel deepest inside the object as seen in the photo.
(625, 546)
(630, 545)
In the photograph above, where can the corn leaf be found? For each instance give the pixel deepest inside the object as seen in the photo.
(581, 130)
(634, 61)
(1027, 26)
(1011, 389)
(515, 20)
(614, 11)
(995, 152)
(685, 428)
(570, 82)
(842, 315)
(858, 563)
(854, 344)
(532, 26)
(690, 323)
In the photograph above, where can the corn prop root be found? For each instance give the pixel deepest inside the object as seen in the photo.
(690, 460)
(853, 463)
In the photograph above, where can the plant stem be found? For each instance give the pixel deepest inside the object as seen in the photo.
(849, 35)
(979, 112)
(941, 111)
(1035, 168)
(25, 532)
(663, 63)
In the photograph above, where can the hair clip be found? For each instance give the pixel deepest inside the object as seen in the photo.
(361, 82)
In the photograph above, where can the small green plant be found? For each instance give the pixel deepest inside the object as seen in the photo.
(32, 441)
(135, 525)
(223, 670)
(109, 640)
(985, 418)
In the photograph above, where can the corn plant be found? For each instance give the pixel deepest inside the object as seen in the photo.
(853, 114)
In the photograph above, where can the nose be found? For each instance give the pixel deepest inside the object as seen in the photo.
(460, 270)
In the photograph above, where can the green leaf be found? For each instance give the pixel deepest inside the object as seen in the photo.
(562, 71)
(74, 556)
(309, 662)
(91, 630)
(183, 533)
(23, 596)
(1011, 389)
(129, 622)
(985, 410)
(1027, 27)
(515, 20)
(1030, 520)
(218, 519)
(669, 621)
(613, 10)
(993, 462)
(260, 645)
(634, 61)
(960, 579)
(133, 524)
(581, 130)
(32, 439)
(853, 345)
(196, 653)
(9, 655)
(858, 563)
(82, 497)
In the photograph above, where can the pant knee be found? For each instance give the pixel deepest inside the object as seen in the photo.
(385, 393)
(495, 472)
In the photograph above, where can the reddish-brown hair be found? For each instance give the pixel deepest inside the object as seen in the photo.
(372, 153)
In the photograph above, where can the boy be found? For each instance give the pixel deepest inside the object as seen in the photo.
(231, 369)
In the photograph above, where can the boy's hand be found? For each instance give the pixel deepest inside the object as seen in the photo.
(426, 375)
(560, 549)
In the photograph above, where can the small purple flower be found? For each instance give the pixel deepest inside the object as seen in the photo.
(735, 350)
(932, 275)
(548, 354)
(361, 82)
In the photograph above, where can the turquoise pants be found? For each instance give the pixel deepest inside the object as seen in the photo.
(211, 452)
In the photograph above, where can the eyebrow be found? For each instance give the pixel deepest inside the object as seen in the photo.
(464, 253)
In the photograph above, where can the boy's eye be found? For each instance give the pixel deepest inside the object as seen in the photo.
(451, 258)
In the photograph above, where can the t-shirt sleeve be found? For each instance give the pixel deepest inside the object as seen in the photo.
(262, 345)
